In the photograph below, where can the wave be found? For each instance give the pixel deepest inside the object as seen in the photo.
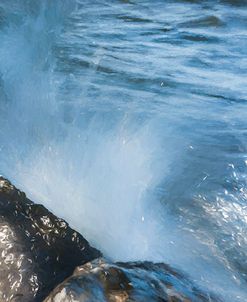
(131, 181)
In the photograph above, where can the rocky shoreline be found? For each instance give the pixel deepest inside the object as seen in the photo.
(43, 259)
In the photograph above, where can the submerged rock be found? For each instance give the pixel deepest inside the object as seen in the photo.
(37, 249)
(101, 281)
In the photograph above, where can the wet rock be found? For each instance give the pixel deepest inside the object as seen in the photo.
(101, 281)
(37, 249)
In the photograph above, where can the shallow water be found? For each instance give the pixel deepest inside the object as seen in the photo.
(128, 119)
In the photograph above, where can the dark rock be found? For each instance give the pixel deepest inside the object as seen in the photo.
(101, 281)
(37, 249)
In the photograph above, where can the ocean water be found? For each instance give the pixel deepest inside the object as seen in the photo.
(129, 120)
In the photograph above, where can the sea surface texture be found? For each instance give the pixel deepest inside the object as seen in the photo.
(129, 120)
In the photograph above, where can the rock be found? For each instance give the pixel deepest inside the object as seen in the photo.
(37, 249)
(102, 281)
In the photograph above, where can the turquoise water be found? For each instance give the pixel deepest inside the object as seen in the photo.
(128, 119)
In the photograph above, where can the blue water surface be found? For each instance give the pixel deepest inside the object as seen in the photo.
(128, 119)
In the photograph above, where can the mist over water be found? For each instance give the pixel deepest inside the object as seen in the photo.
(128, 119)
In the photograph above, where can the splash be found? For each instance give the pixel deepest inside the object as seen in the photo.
(115, 172)
(99, 175)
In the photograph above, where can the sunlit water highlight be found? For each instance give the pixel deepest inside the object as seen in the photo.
(128, 119)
